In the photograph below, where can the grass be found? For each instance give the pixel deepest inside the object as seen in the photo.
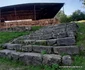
(81, 34)
(6, 64)
(7, 36)
(34, 28)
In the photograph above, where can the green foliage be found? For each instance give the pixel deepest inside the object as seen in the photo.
(78, 15)
(44, 67)
(81, 34)
(43, 52)
(62, 17)
(6, 61)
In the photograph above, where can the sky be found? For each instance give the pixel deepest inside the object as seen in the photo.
(69, 7)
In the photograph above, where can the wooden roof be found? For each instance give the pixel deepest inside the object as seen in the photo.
(36, 10)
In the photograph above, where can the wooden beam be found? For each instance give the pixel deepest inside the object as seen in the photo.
(15, 12)
(34, 12)
(0, 15)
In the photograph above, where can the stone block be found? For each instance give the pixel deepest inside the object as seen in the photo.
(40, 49)
(31, 58)
(41, 42)
(27, 42)
(51, 59)
(37, 59)
(26, 58)
(66, 41)
(15, 55)
(12, 46)
(27, 48)
(66, 50)
(51, 42)
(4, 53)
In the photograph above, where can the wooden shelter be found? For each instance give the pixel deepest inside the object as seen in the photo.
(34, 11)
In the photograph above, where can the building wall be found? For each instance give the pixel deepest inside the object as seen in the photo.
(18, 15)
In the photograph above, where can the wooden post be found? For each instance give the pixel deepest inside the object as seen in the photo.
(34, 12)
(15, 13)
(63, 10)
(0, 14)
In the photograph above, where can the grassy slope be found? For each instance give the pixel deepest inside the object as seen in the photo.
(7, 36)
(79, 60)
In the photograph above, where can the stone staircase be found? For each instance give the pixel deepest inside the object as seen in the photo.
(49, 45)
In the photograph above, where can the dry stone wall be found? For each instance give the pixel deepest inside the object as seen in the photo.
(16, 29)
(10, 26)
(53, 44)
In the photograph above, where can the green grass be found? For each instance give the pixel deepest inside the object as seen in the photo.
(34, 28)
(6, 64)
(81, 34)
(7, 36)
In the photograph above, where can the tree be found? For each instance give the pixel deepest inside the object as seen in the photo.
(83, 1)
(62, 17)
(77, 15)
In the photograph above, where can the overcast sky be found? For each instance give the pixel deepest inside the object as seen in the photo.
(69, 7)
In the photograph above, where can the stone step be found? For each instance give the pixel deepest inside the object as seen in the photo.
(59, 41)
(36, 42)
(28, 48)
(31, 58)
(72, 50)
(66, 41)
(11, 46)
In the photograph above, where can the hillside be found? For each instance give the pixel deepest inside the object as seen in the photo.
(78, 59)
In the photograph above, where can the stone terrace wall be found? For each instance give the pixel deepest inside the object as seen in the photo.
(49, 45)
(42, 22)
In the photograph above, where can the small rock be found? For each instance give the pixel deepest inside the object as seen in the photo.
(71, 34)
(67, 60)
